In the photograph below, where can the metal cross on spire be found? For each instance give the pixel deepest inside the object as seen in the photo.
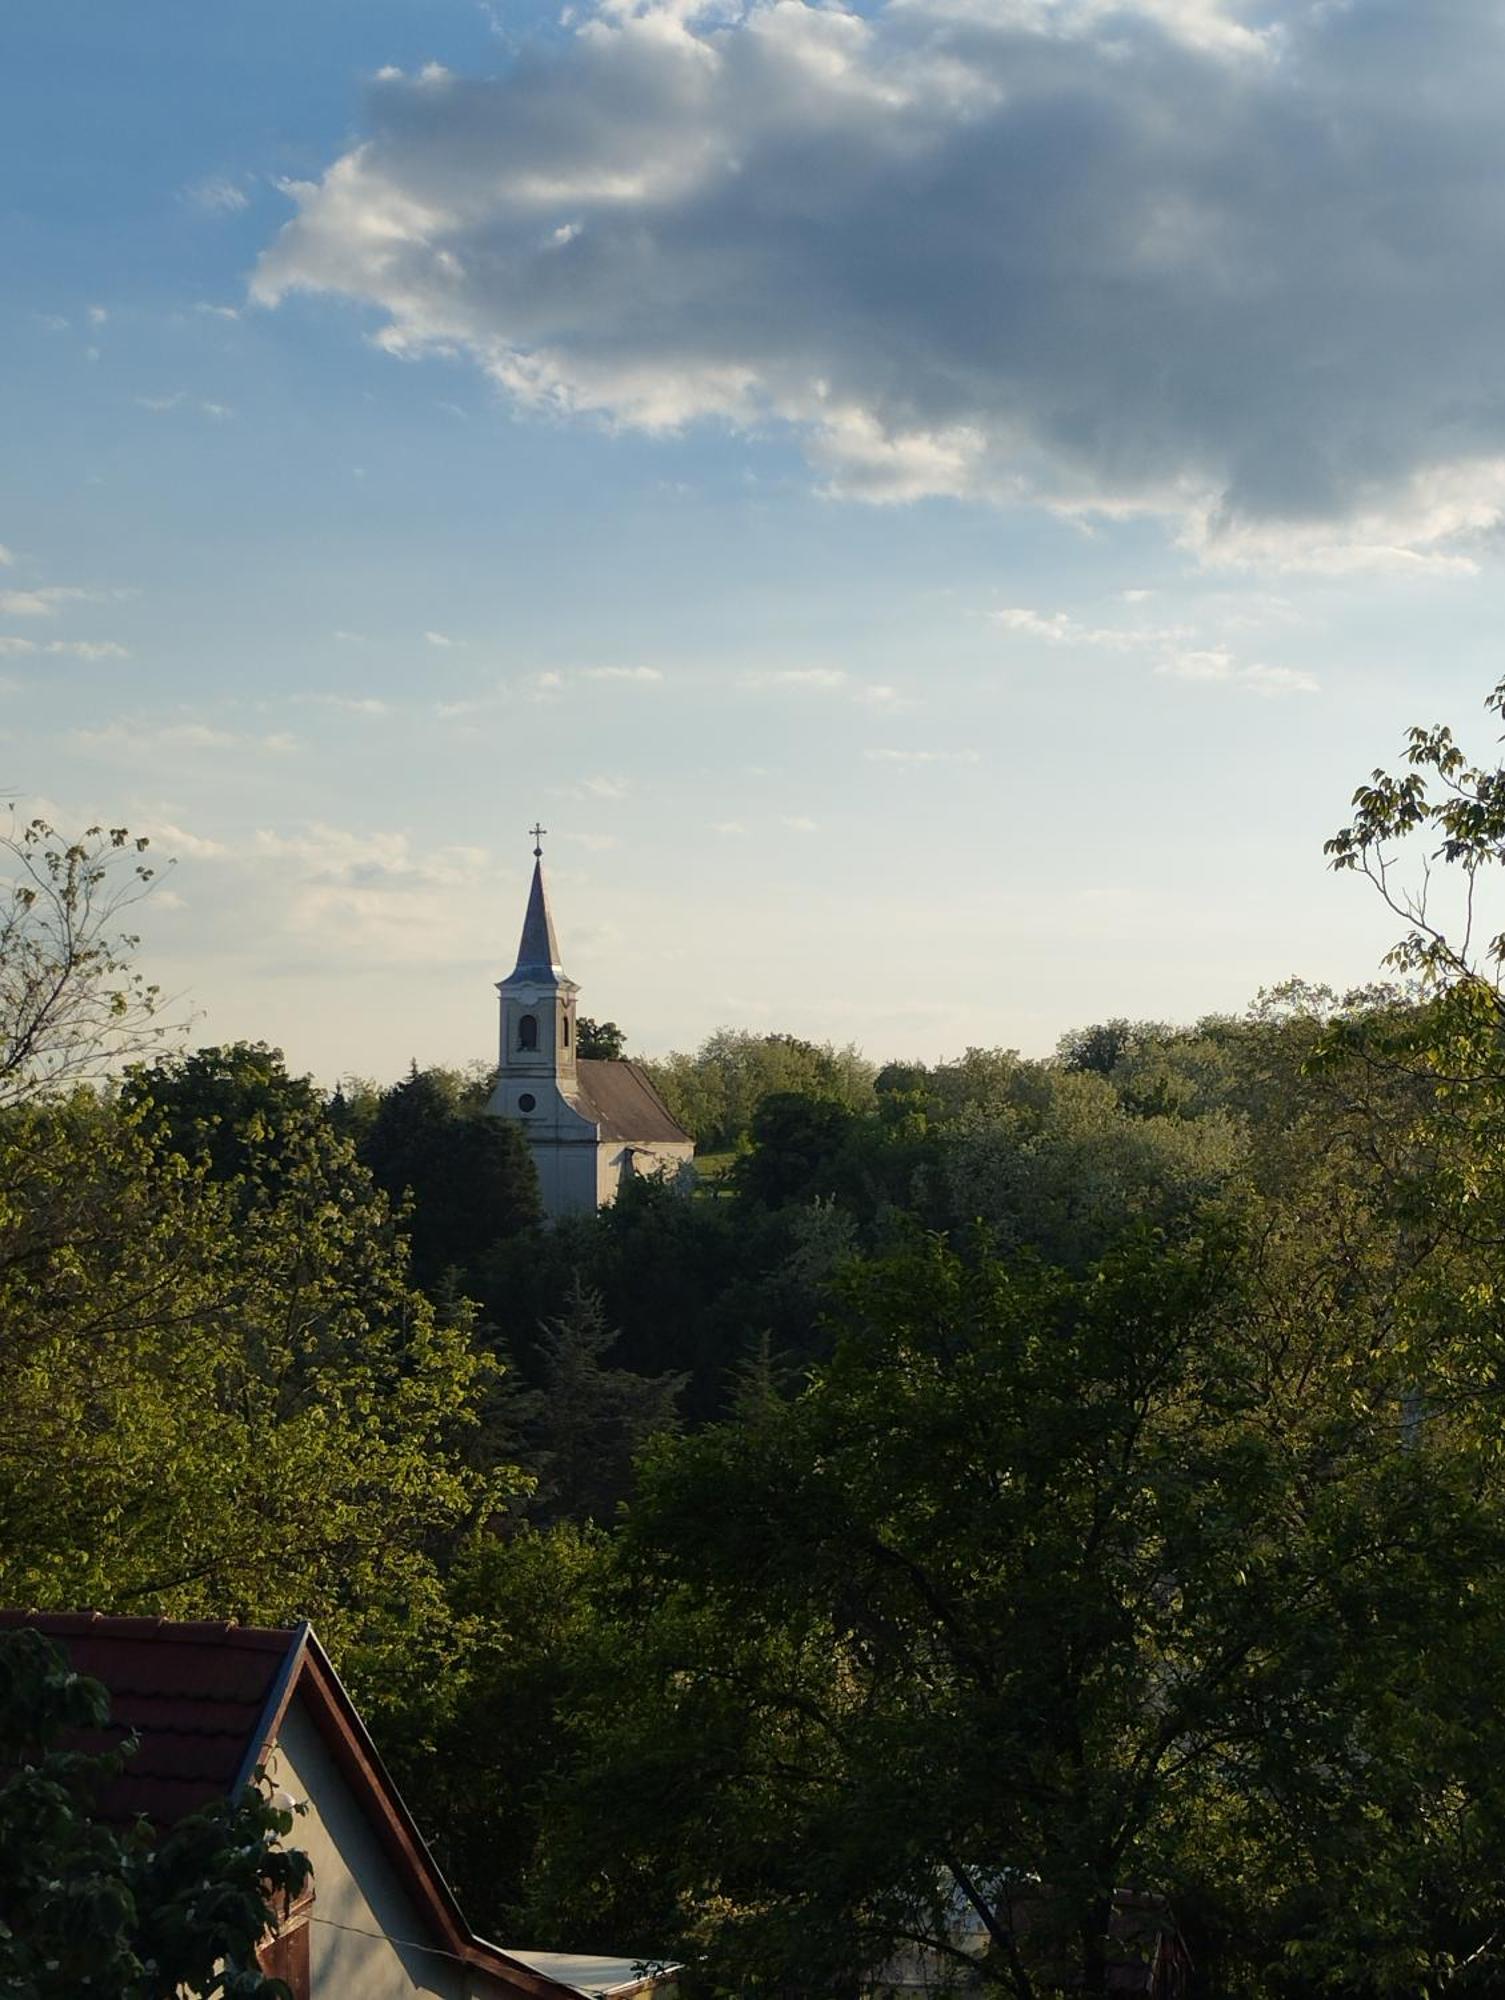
(538, 833)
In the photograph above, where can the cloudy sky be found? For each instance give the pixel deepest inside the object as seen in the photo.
(935, 505)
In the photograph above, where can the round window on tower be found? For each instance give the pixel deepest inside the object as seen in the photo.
(527, 1101)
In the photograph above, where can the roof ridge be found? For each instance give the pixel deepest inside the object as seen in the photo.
(130, 1625)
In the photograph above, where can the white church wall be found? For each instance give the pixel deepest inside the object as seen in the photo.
(654, 1160)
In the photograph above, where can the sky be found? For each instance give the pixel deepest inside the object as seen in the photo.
(934, 506)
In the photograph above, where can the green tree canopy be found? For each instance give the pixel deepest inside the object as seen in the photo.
(469, 1178)
(1043, 1589)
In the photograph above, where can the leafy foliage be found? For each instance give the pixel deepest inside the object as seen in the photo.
(599, 1041)
(715, 1093)
(259, 1416)
(87, 1910)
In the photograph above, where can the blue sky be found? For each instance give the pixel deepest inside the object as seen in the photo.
(935, 507)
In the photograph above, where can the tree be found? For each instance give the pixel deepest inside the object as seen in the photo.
(1044, 1589)
(88, 1910)
(236, 1109)
(469, 1178)
(592, 1419)
(477, 1748)
(72, 1007)
(1458, 810)
(796, 1142)
(259, 1416)
(715, 1093)
(599, 1041)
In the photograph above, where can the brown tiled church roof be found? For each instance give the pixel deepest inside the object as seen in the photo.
(621, 1099)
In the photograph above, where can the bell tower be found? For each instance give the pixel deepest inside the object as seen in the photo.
(538, 1008)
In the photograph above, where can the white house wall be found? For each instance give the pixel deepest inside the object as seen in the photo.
(367, 1939)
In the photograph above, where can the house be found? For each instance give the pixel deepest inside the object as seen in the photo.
(589, 1124)
(210, 1704)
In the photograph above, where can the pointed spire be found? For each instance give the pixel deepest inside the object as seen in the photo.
(538, 951)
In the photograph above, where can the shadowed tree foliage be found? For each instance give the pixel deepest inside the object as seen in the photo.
(591, 1418)
(86, 1910)
(1043, 1589)
(796, 1145)
(470, 1179)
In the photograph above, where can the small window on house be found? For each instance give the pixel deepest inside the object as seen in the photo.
(566, 1030)
(527, 1032)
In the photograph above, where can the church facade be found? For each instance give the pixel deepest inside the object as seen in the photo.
(589, 1124)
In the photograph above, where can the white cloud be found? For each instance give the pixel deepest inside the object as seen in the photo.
(212, 311)
(439, 639)
(89, 649)
(1236, 263)
(1184, 656)
(643, 676)
(179, 399)
(797, 823)
(6, 557)
(538, 688)
(11, 643)
(348, 704)
(727, 826)
(40, 603)
(817, 678)
(1217, 664)
(373, 897)
(135, 740)
(98, 315)
(217, 195)
(1058, 628)
(178, 840)
(605, 788)
(921, 756)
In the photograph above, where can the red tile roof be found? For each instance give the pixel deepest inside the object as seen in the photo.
(198, 1696)
(622, 1099)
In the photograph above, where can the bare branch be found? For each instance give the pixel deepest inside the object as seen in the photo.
(72, 1007)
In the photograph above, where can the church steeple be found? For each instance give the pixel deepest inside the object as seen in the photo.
(538, 999)
(538, 950)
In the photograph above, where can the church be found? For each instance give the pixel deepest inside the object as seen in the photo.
(590, 1124)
